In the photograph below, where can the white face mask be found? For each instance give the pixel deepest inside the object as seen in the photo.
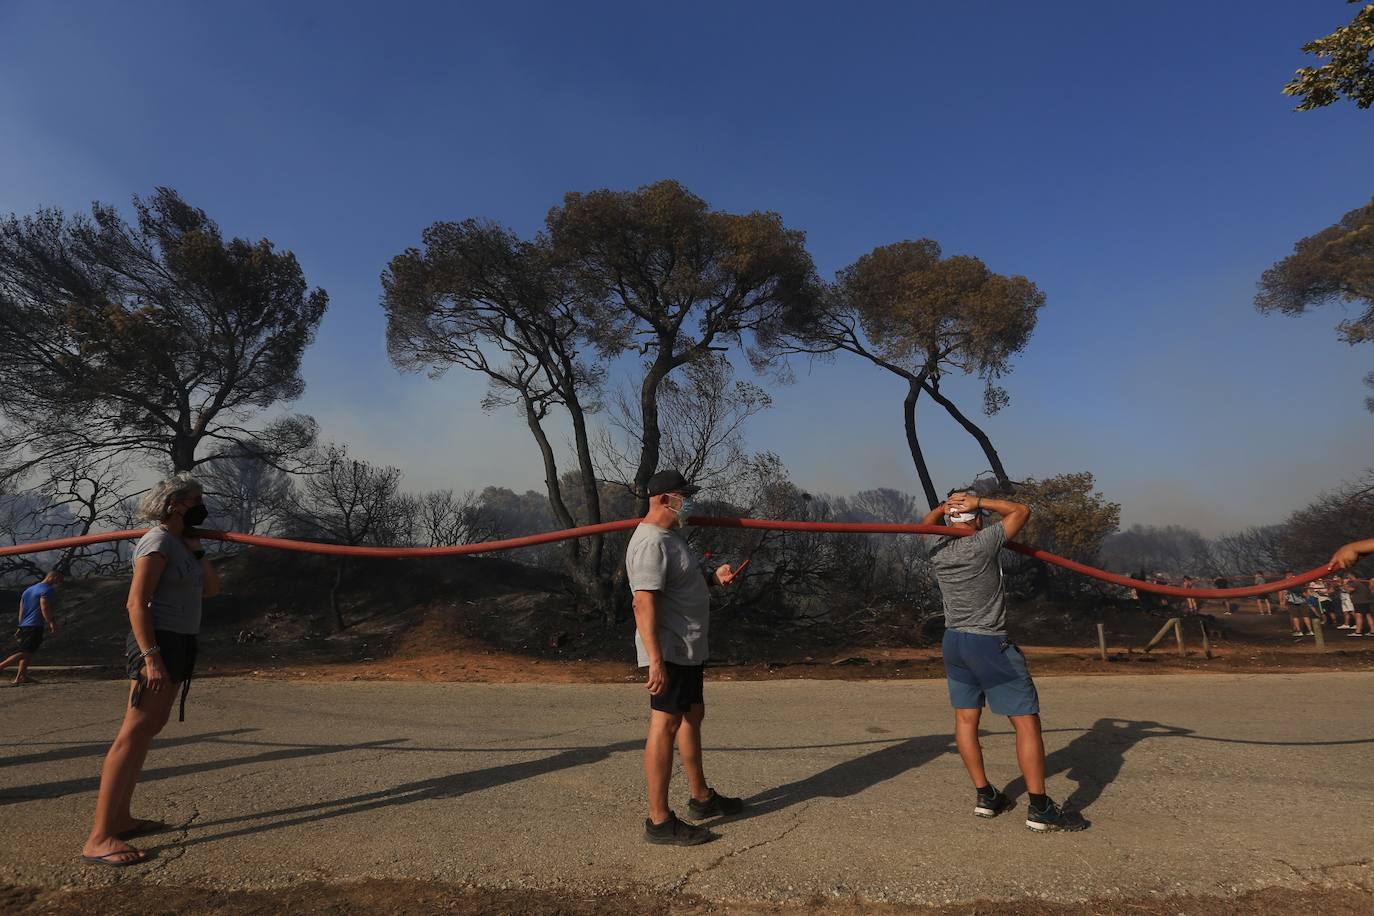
(683, 511)
(961, 518)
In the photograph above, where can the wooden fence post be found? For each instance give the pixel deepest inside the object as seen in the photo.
(1206, 643)
(1163, 631)
(1102, 641)
(1178, 634)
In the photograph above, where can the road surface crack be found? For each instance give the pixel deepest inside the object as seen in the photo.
(175, 848)
(721, 860)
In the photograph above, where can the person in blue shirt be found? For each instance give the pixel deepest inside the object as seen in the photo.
(35, 609)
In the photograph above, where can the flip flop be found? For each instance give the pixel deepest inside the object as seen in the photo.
(143, 827)
(108, 858)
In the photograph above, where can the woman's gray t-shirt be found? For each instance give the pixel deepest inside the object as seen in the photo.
(176, 601)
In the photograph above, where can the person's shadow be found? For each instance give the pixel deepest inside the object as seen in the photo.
(850, 777)
(1094, 759)
(448, 786)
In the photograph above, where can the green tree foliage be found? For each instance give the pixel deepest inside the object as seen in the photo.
(1349, 71)
(1068, 516)
(665, 276)
(157, 337)
(922, 316)
(1334, 265)
(479, 297)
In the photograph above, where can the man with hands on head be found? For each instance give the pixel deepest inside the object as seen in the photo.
(982, 666)
(672, 606)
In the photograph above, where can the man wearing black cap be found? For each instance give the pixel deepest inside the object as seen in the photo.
(672, 604)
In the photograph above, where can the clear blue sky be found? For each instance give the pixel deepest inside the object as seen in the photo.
(1136, 160)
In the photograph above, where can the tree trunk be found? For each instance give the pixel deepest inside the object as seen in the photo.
(555, 491)
(597, 584)
(334, 595)
(909, 415)
(183, 453)
(650, 437)
(972, 429)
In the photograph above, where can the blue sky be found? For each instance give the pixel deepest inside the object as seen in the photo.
(1137, 161)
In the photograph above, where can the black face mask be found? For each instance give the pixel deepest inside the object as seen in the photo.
(196, 515)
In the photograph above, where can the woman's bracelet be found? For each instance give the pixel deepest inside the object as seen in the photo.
(151, 650)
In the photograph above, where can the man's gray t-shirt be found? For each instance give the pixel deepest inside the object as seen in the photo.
(176, 601)
(970, 573)
(659, 560)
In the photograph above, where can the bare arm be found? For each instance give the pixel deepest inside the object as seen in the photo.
(210, 585)
(646, 622)
(1348, 555)
(147, 573)
(934, 515)
(1014, 515)
(46, 608)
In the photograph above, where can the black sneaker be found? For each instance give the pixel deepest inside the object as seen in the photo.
(1052, 819)
(992, 805)
(715, 805)
(674, 832)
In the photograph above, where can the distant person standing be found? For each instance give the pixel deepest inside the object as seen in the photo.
(1345, 589)
(1297, 609)
(1362, 596)
(1262, 601)
(672, 608)
(1326, 608)
(1223, 582)
(35, 609)
(1192, 602)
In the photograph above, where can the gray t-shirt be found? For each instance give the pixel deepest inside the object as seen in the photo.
(176, 601)
(659, 560)
(970, 573)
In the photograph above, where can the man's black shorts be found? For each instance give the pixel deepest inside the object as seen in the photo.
(28, 639)
(683, 689)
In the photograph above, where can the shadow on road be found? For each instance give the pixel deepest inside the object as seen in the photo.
(91, 783)
(439, 787)
(67, 751)
(851, 777)
(1094, 759)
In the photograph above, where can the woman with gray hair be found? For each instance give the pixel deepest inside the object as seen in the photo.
(171, 577)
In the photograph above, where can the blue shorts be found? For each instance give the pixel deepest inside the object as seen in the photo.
(988, 669)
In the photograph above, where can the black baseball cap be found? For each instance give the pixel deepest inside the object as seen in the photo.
(671, 482)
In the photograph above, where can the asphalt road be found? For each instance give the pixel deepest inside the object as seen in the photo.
(1209, 784)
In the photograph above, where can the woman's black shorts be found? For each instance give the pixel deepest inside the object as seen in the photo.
(683, 689)
(28, 639)
(178, 651)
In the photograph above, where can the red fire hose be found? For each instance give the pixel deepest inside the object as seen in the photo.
(549, 537)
